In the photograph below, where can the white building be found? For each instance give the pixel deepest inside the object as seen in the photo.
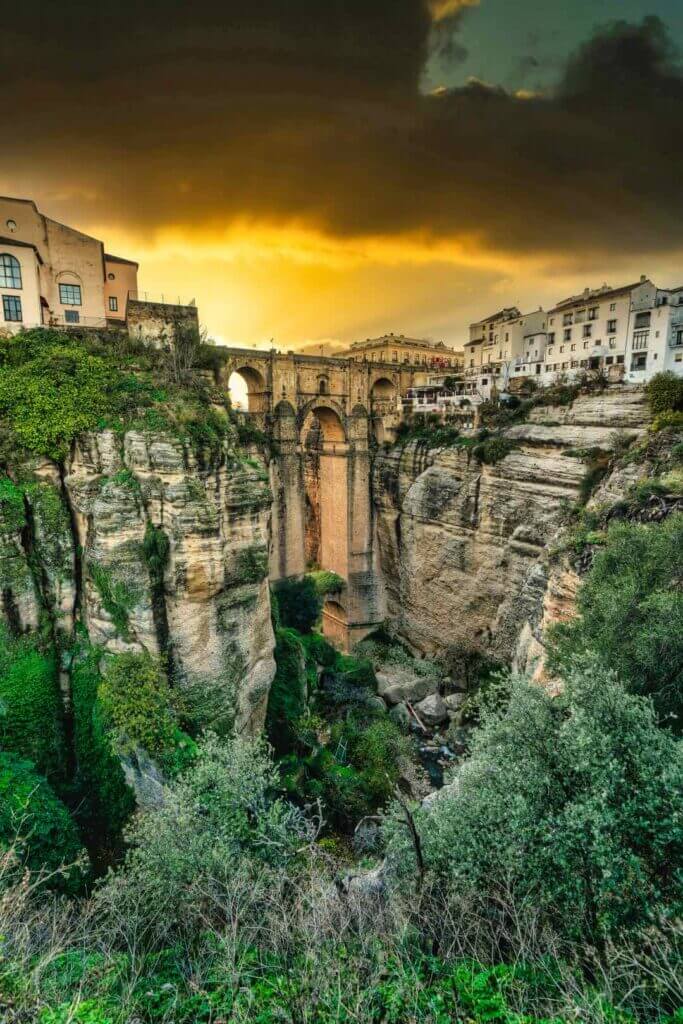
(655, 333)
(51, 274)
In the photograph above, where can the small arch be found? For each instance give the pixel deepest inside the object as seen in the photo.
(330, 417)
(383, 389)
(10, 271)
(323, 386)
(247, 387)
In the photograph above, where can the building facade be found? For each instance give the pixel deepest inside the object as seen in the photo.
(396, 348)
(51, 274)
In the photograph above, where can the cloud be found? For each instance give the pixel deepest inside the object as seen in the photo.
(441, 9)
(308, 118)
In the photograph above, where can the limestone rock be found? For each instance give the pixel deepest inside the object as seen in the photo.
(432, 710)
(400, 685)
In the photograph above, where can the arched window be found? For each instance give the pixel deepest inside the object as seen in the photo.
(10, 271)
(322, 386)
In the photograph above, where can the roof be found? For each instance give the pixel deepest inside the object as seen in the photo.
(120, 259)
(510, 313)
(589, 295)
(15, 199)
(398, 339)
(22, 245)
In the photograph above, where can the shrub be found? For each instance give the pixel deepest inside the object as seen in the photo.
(105, 800)
(35, 824)
(221, 821)
(299, 603)
(665, 393)
(667, 421)
(118, 599)
(31, 722)
(52, 389)
(137, 707)
(571, 805)
(12, 511)
(287, 697)
(493, 449)
(631, 613)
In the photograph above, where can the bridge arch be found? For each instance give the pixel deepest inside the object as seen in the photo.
(243, 377)
(383, 389)
(330, 418)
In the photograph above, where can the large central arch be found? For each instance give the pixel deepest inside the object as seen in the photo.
(326, 473)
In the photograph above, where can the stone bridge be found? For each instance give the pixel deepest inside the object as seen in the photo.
(323, 416)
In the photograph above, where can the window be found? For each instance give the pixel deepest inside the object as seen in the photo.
(639, 361)
(678, 339)
(580, 316)
(586, 344)
(567, 319)
(593, 313)
(561, 349)
(640, 339)
(642, 320)
(620, 360)
(612, 342)
(568, 334)
(609, 360)
(587, 330)
(611, 327)
(484, 381)
(113, 304)
(550, 350)
(111, 277)
(10, 271)
(551, 337)
(612, 307)
(322, 386)
(11, 225)
(72, 316)
(573, 348)
(11, 307)
(70, 294)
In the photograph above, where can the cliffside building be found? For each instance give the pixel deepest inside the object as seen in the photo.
(54, 275)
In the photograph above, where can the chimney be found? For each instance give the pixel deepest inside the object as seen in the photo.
(643, 278)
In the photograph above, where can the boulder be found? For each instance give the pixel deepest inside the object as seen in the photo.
(432, 710)
(402, 686)
(401, 717)
(454, 701)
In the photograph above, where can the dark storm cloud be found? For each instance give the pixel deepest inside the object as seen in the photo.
(311, 110)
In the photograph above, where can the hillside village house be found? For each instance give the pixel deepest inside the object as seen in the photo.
(54, 275)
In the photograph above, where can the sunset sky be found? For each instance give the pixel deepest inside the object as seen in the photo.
(327, 170)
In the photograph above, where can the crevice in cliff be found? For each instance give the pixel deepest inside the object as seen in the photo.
(78, 559)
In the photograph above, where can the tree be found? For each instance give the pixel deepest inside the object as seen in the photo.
(299, 603)
(36, 825)
(631, 614)
(573, 805)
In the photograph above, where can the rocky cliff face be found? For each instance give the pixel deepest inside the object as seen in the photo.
(463, 546)
(152, 546)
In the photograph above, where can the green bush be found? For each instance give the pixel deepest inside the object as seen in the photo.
(667, 421)
(118, 599)
(571, 805)
(631, 614)
(665, 393)
(52, 388)
(12, 511)
(36, 825)
(31, 721)
(221, 823)
(105, 800)
(299, 603)
(137, 705)
(287, 697)
(493, 449)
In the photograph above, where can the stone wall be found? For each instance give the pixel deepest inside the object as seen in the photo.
(157, 321)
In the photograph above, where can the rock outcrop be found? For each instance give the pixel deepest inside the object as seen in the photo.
(153, 546)
(463, 546)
